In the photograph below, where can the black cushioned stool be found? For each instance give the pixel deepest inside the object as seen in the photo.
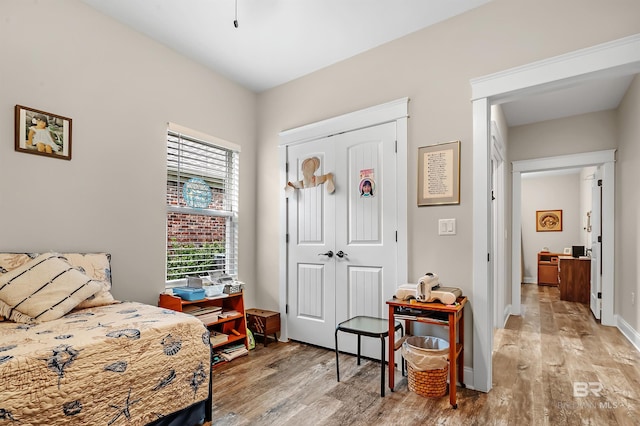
(371, 327)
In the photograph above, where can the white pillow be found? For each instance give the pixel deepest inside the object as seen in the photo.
(44, 289)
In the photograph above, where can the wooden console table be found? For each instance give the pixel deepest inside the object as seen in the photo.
(455, 322)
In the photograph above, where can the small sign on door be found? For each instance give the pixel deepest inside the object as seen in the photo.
(367, 186)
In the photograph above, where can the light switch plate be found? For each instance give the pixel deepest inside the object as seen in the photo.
(446, 227)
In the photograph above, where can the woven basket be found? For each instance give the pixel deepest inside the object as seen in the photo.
(430, 383)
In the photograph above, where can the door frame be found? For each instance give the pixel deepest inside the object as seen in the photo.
(395, 111)
(618, 57)
(606, 159)
(501, 309)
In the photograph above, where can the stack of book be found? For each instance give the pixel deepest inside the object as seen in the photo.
(206, 314)
(216, 337)
(228, 314)
(233, 351)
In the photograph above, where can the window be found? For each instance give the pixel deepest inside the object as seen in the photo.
(202, 204)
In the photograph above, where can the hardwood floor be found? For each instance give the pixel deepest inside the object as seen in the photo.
(538, 359)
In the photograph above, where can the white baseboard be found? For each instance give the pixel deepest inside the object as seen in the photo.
(505, 315)
(530, 280)
(627, 331)
(468, 378)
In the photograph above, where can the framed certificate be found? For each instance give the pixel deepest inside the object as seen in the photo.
(439, 174)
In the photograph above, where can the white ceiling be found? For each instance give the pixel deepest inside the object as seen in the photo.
(280, 40)
(277, 40)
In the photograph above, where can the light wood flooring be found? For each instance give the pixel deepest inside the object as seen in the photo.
(537, 359)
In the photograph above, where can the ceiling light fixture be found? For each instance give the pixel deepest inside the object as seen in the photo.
(235, 21)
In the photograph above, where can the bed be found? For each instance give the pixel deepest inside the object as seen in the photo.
(102, 362)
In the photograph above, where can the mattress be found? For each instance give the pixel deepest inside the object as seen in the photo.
(121, 364)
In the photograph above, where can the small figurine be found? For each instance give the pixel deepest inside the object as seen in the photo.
(309, 178)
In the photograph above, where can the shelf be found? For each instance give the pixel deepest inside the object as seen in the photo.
(228, 302)
(230, 339)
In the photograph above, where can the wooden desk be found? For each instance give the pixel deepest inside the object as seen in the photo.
(548, 268)
(455, 315)
(575, 279)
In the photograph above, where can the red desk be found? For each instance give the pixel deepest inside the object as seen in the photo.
(455, 315)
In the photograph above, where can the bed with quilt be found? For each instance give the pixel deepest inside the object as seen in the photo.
(71, 354)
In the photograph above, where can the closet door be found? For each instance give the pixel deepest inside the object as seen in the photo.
(342, 250)
(311, 262)
(365, 228)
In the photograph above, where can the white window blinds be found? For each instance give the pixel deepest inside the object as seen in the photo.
(202, 206)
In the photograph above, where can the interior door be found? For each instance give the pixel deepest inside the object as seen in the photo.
(596, 244)
(342, 251)
(365, 228)
(311, 262)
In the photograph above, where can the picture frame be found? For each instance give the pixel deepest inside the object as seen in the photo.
(439, 174)
(42, 133)
(548, 220)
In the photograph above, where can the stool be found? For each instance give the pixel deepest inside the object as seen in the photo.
(264, 322)
(371, 327)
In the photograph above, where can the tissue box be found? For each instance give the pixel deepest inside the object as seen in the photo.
(189, 293)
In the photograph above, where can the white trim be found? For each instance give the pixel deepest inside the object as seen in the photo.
(482, 295)
(385, 113)
(202, 136)
(283, 296)
(584, 159)
(516, 243)
(627, 331)
(499, 259)
(618, 57)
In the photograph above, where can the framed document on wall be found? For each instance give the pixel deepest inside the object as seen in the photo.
(439, 174)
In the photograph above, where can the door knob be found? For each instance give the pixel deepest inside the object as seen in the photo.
(328, 254)
(341, 254)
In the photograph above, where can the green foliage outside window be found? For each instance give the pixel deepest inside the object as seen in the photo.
(188, 258)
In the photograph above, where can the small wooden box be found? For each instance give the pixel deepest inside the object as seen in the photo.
(264, 322)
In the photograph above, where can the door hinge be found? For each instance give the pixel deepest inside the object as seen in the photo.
(599, 182)
(287, 238)
(599, 295)
(396, 147)
(488, 257)
(286, 308)
(493, 197)
(396, 236)
(599, 238)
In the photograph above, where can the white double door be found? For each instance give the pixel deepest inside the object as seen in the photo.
(342, 250)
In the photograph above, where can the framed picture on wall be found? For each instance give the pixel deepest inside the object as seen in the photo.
(548, 220)
(439, 174)
(42, 133)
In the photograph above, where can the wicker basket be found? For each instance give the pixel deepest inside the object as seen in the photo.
(430, 383)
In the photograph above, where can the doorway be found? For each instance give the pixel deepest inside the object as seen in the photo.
(616, 58)
(605, 161)
(343, 254)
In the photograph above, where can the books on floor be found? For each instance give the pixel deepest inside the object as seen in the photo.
(233, 352)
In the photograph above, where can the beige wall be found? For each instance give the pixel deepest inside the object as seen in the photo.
(627, 207)
(556, 192)
(433, 68)
(120, 89)
(594, 131)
